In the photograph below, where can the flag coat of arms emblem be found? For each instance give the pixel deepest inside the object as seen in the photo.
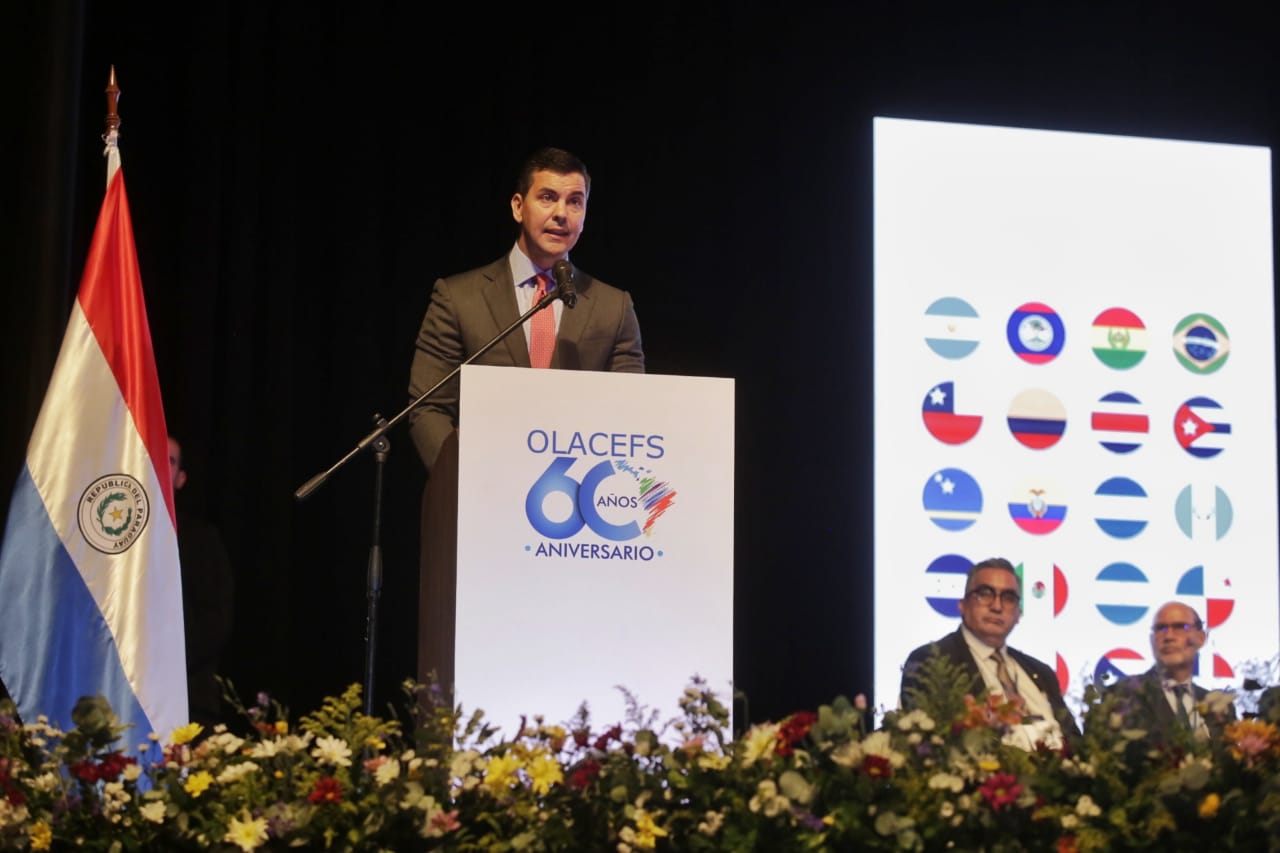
(1119, 338)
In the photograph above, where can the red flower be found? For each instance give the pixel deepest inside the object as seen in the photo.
(85, 770)
(1000, 790)
(327, 790)
(614, 733)
(1067, 844)
(113, 764)
(793, 730)
(877, 767)
(580, 737)
(584, 774)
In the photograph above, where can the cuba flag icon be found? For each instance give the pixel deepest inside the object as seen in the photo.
(1201, 427)
(952, 499)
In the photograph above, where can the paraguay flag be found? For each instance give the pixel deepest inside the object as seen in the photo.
(90, 589)
(1037, 419)
(1119, 338)
(1201, 427)
(951, 327)
(1124, 586)
(952, 499)
(940, 418)
(1119, 422)
(1036, 333)
(1121, 507)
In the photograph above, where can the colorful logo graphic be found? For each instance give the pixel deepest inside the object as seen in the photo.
(1203, 512)
(952, 499)
(940, 418)
(1037, 419)
(1124, 584)
(1201, 427)
(1121, 507)
(1117, 664)
(1201, 344)
(1035, 332)
(1119, 338)
(946, 576)
(951, 327)
(1215, 603)
(623, 509)
(1035, 507)
(1119, 422)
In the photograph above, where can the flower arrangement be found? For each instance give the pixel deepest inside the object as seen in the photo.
(937, 777)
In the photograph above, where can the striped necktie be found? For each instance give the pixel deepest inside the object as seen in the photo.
(542, 327)
(1002, 673)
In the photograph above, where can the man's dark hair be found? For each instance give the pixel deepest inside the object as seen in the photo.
(550, 160)
(991, 563)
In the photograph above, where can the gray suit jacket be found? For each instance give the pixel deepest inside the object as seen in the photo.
(1144, 706)
(470, 309)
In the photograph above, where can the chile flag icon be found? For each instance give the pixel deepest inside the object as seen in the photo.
(940, 418)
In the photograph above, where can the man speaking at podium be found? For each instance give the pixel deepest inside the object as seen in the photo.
(467, 311)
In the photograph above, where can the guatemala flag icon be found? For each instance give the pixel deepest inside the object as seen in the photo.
(1203, 512)
(941, 419)
(1036, 333)
(951, 327)
(1201, 427)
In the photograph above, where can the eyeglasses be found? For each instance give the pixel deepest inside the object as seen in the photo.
(1176, 627)
(986, 595)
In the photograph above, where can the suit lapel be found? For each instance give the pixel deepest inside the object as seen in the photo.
(573, 320)
(500, 296)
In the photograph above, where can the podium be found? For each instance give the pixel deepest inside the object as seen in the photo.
(578, 539)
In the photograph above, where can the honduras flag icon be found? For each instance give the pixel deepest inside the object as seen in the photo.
(1203, 512)
(1035, 332)
(951, 327)
(952, 499)
(1117, 664)
(946, 578)
(941, 419)
(1119, 422)
(1201, 427)
(1125, 585)
(1121, 507)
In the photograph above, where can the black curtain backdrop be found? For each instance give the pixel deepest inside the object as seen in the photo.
(299, 174)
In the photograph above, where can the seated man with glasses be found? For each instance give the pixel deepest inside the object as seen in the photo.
(991, 606)
(1163, 700)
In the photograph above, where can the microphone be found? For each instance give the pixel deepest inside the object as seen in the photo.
(563, 272)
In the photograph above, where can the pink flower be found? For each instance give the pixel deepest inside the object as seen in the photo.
(1000, 790)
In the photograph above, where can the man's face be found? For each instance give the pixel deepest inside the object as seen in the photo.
(991, 621)
(177, 476)
(551, 216)
(1175, 639)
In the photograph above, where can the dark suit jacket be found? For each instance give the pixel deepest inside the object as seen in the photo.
(956, 649)
(470, 309)
(1144, 706)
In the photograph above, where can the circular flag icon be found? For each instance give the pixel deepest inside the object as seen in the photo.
(941, 419)
(1036, 333)
(1203, 512)
(1121, 508)
(1215, 601)
(1119, 422)
(1036, 507)
(946, 578)
(1125, 585)
(952, 499)
(951, 327)
(1037, 419)
(1117, 664)
(1201, 427)
(1119, 339)
(1201, 343)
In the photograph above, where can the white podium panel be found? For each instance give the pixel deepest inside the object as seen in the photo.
(595, 542)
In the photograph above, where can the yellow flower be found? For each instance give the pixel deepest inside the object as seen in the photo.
(544, 771)
(282, 728)
(647, 831)
(1209, 805)
(247, 835)
(198, 783)
(185, 734)
(988, 764)
(41, 836)
(500, 772)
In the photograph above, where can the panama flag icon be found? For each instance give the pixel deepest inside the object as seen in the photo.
(1119, 338)
(952, 499)
(1121, 508)
(1117, 664)
(1126, 587)
(1203, 512)
(1216, 603)
(1035, 508)
(1119, 422)
(1200, 343)
(1036, 333)
(940, 418)
(1201, 427)
(945, 582)
(951, 327)
(1037, 419)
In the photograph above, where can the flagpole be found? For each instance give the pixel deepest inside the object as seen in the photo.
(111, 135)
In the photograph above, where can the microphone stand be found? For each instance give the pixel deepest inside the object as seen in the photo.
(564, 291)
